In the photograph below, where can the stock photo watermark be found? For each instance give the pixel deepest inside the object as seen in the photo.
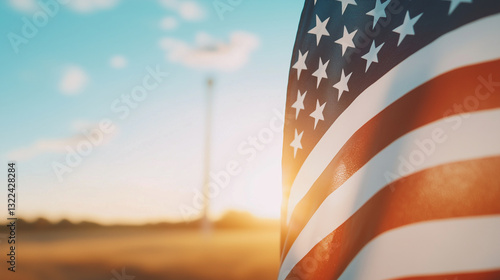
(121, 107)
(12, 219)
(31, 26)
(364, 36)
(122, 276)
(223, 6)
(455, 117)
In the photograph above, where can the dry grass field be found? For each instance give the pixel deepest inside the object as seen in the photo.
(144, 254)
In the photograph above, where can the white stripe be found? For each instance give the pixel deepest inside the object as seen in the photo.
(430, 248)
(470, 44)
(477, 137)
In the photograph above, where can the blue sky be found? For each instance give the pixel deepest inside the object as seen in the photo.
(89, 54)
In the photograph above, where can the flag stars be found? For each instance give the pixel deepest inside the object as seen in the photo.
(346, 41)
(407, 28)
(320, 29)
(318, 113)
(342, 84)
(301, 63)
(299, 104)
(454, 4)
(378, 11)
(372, 55)
(296, 142)
(345, 3)
(320, 74)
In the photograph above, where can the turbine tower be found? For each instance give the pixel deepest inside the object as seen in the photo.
(206, 174)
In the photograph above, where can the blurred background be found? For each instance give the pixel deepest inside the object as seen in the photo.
(146, 135)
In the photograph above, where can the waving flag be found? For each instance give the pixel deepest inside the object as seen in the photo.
(391, 156)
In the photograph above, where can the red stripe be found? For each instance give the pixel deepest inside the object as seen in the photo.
(423, 105)
(470, 188)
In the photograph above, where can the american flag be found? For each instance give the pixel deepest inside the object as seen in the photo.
(391, 155)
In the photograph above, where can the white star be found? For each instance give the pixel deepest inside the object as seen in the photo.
(345, 3)
(342, 84)
(299, 104)
(346, 40)
(320, 29)
(318, 113)
(371, 56)
(301, 63)
(454, 4)
(320, 74)
(378, 11)
(296, 142)
(407, 27)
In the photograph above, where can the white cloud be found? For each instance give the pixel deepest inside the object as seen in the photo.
(208, 53)
(41, 147)
(187, 9)
(73, 81)
(60, 146)
(81, 6)
(118, 62)
(168, 23)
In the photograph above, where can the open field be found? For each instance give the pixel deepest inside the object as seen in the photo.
(148, 254)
